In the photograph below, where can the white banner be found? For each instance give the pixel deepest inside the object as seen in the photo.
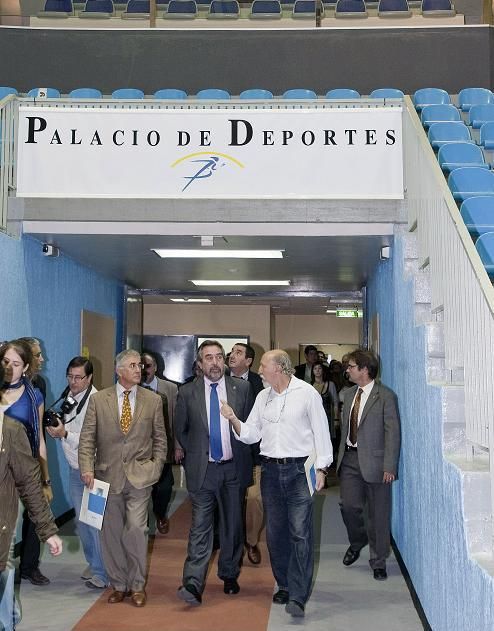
(230, 153)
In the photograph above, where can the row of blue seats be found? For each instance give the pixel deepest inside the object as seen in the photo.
(259, 8)
(470, 178)
(207, 94)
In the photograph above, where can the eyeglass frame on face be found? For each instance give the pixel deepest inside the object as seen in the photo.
(76, 378)
(351, 366)
(133, 366)
(270, 399)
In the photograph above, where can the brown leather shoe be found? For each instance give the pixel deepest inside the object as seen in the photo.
(254, 554)
(139, 598)
(116, 596)
(163, 525)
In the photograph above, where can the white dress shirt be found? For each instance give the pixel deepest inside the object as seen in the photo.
(366, 390)
(153, 384)
(70, 445)
(120, 398)
(225, 424)
(289, 424)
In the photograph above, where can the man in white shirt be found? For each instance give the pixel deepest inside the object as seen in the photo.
(289, 420)
(368, 461)
(80, 387)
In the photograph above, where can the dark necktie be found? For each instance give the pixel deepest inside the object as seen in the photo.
(215, 425)
(354, 417)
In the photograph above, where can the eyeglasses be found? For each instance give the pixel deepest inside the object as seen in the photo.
(76, 378)
(37, 355)
(269, 414)
(352, 366)
(147, 365)
(134, 365)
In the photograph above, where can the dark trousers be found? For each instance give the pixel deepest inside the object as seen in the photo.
(355, 496)
(288, 509)
(220, 489)
(162, 492)
(30, 546)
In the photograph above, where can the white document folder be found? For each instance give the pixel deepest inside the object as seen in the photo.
(94, 503)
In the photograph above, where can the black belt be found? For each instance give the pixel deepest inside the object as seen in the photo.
(348, 448)
(283, 460)
(220, 461)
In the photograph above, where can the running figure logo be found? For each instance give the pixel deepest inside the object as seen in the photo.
(207, 169)
(204, 165)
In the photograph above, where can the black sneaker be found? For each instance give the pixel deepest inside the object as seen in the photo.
(35, 577)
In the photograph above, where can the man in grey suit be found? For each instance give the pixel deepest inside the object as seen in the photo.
(218, 469)
(123, 442)
(368, 461)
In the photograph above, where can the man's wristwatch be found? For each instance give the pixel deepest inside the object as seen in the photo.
(46, 482)
(324, 471)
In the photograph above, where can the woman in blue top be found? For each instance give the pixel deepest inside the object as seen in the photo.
(23, 403)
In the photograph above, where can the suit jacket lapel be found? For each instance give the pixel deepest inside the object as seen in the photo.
(200, 395)
(113, 405)
(231, 397)
(373, 396)
(138, 407)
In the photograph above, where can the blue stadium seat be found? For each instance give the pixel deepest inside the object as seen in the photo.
(342, 93)
(256, 93)
(480, 114)
(350, 9)
(468, 182)
(170, 93)
(5, 91)
(57, 9)
(47, 93)
(299, 93)
(86, 93)
(98, 9)
(393, 9)
(228, 9)
(430, 96)
(213, 94)
(270, 9)
(485, 247)
(446, 132)
(487, 136)
(478, 215)
(438, 113)
(136, 9)
(437, 8)
(461, 154)
(474, 96)
(386, 93)
(181, 10)
(305, 9)
(127, 93)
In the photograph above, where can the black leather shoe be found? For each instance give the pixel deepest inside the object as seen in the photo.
(380, 574)
(281, 597)
(350, 556)
(35, 577)
(295, 609)
(231, 586)
(189, 594)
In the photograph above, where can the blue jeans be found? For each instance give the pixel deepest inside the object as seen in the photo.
(88, 535)
(10, 614)
(288, 508)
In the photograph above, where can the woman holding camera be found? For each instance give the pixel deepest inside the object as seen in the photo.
(24, 404)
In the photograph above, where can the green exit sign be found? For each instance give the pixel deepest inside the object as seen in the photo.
(348, 313)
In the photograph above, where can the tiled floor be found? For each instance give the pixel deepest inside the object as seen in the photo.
(342, 599)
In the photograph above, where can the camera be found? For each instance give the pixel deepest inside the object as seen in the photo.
(50, 250)
(51, 418)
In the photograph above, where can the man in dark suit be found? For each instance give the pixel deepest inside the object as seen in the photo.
(368, 461)
(218, 469)
(304, 371)
(123, 442)
(241, 359)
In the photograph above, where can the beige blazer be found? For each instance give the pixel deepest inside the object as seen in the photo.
(115, 457)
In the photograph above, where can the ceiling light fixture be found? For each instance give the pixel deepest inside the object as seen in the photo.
(218, 254)
(235, 283)
(190, 300)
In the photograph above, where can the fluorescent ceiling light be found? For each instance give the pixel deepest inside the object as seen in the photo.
(330, 310)
(198, 253)
(237, 283)
(190, 300)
